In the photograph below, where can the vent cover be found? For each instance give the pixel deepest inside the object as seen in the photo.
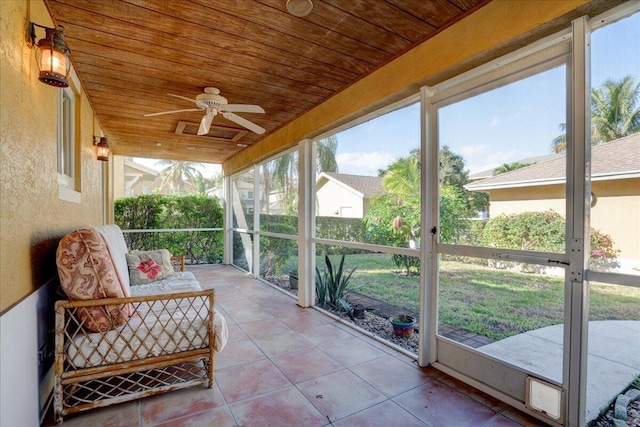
(219, 133)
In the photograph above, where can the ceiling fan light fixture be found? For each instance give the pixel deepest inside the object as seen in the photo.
(299, 8)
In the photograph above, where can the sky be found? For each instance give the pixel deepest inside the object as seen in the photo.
(504, 125)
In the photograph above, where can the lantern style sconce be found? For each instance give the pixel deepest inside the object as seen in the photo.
(102, 148)
(52, 55)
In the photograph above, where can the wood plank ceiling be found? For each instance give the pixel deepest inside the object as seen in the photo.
(131, 54)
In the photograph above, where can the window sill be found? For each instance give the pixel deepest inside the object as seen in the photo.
(68, 195)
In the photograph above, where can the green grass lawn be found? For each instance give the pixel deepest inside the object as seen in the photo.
(491, 302)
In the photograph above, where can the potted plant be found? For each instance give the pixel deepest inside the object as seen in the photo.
(403, 325)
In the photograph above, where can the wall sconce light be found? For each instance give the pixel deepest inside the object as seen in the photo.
(52, 55)
(102, 148)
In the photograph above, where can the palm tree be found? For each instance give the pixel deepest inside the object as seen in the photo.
(176, 173)
(402, 178)
(202, 184)
(615, 110)
(508, 167)
(326, 154)
(559, 143)
(615, 113)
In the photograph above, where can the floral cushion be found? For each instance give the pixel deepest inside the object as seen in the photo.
(145, 267)
(87, 272)
(164, 254)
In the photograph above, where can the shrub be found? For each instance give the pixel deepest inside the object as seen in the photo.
(157, 211)
(532, 231)
(545, 232)
(275, 252)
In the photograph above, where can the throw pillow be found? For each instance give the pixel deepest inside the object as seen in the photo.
(145, 267)
(87, 272)
(164, 254)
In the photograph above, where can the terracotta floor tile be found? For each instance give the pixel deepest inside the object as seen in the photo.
(522, 418)
(238, 353)
(439, 405)
(473, 393)
(236, 304)
(248, 315)
(122, 415)
(306, 364)
(249, 380)
(229, 294)
(501, 421)
(219, 417)
(390, 376)
(164, 407)
(303, 319)
(325, 333)
(384, 414)
(287, 407)
(352, 351)
(287, 314)
(236, 334)
(282, 343)
(340, 394)
(279, 300)
(264, 327)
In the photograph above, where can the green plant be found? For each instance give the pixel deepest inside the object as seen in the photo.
(545, 231)
(331, 286)
(292, 267)
(275, 252)
(156, 211)
(404, 319)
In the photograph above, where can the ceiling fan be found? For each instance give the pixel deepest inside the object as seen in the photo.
(213, 103)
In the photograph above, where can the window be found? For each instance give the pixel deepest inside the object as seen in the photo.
(68, 184)
(66, 141)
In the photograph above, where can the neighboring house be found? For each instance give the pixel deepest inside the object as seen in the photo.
(615, 188)
(133, 179)
(345, 196)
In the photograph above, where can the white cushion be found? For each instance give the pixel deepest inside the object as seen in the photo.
(112, 235)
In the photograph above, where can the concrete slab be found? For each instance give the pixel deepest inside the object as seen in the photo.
(613, 357)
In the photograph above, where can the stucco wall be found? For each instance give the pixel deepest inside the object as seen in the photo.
(32, 218)
(615, 213)
(333, 198)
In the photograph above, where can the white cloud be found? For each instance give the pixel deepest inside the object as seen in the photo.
(471, 150)
(496, 121)
(363, 163)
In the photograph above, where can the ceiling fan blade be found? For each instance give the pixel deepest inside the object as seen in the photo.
(205, 124)
(171, 112)
(183, 97)
(244, 122)
(242, 108)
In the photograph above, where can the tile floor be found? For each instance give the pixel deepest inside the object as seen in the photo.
(288, 366)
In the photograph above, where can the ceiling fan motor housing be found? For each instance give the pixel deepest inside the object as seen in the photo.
(210, 100)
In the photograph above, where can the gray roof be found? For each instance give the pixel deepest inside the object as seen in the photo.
(487, 173)
(366, 185)
(615, 159)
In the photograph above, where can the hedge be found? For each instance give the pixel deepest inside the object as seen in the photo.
(157, 211)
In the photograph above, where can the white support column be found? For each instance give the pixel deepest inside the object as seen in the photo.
(228, 222)
(306, 223)
(256, 221)
(429, 233)
(578, 191)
